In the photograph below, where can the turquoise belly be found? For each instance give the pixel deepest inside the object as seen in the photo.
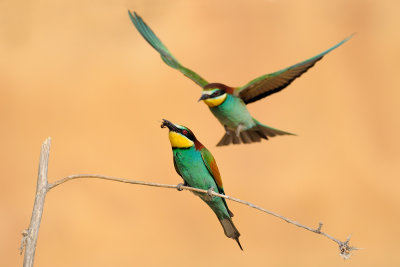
(232, 113)
(192, 169)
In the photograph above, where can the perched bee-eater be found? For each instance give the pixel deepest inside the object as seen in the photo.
(197, 166)
(227, 103)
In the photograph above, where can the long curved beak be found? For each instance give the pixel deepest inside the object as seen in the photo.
(169, 125)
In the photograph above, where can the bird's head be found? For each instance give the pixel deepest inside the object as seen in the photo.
(179, 136)
(214, 94)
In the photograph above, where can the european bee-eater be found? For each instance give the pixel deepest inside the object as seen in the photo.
(197, 166)
(227, 103)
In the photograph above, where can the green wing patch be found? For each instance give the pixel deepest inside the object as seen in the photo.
(166, 56)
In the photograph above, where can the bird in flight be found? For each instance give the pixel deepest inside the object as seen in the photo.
(228, 104)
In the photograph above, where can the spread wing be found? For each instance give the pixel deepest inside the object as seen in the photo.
(166, 56)
(274, 82)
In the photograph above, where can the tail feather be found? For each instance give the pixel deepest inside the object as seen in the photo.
(235, 139)
(230, 230)
(226, 140)
(261, 134)
(255, 134)
(240, 246)
(245, 137)
(271, 132)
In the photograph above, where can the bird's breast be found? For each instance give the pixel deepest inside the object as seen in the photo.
(192, 168)
(232, 113)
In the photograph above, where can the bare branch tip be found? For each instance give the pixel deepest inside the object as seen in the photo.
(23, 241)
(47, 141)
(345, 248)
(318, 230)
(348, 238)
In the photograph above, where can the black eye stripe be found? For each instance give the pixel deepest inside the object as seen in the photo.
(218, 93)
(187, 133)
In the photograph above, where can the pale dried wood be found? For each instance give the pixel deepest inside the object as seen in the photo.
(30, 235)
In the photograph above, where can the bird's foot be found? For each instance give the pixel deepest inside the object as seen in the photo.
(210, 192)
(239, 129)
(179, 186)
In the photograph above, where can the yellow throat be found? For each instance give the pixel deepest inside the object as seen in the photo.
(216, 101)
(179, 141)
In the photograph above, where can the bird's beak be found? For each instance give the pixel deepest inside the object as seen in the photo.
(204, 96)
(169, 125)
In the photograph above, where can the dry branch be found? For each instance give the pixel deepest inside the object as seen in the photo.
(30, 235)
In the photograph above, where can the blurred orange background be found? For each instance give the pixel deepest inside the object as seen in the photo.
(78, 71)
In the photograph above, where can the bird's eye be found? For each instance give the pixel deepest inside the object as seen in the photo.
(184, 132)
(218, 93)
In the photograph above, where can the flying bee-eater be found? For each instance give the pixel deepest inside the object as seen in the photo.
(227, 103)
(198, 169)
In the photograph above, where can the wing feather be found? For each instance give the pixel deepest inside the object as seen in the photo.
(212, 167)
(176, 168)
(166, 55)
(274, 82)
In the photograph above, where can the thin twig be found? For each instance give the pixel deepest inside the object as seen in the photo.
(30, 235)
(344, 247)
